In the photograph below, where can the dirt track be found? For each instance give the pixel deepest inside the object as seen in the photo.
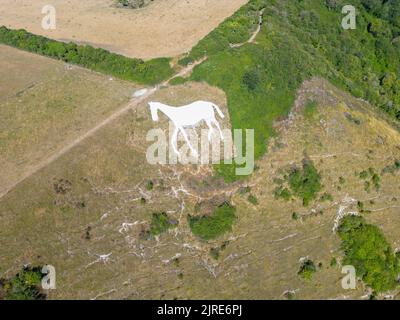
(164, 28)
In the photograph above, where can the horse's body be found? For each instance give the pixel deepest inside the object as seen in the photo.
(188, 116)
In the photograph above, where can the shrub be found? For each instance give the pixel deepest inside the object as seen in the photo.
(149, 185)
(305, 182)
(177, 81)
(24, 286)
(283, 193)
(366, 248)
(211, 227)
(307, 269)
(160, 223)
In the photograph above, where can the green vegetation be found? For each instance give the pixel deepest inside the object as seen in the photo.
(253, 199)
(23, 286)
(149, 72)
(149, 185)
(306, 182)
(366, 248)
(298, 40)
(307, 269)
(371, 178)
(211, 227)
(310, 109)
(177, 81)
(282, 193)
(236, 29)
(160, 223)
(333, 262)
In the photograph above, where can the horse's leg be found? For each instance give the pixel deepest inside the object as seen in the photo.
(210, 129)
(175, 138)
(187, 140)
(219, 128)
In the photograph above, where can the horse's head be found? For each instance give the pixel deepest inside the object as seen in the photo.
(153, 109)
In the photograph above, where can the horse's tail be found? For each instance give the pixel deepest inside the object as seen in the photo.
(218, 110)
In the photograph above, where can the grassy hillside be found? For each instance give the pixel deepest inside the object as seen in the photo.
(298, 40)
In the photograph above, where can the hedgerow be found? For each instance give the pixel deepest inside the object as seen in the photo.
(149, 72)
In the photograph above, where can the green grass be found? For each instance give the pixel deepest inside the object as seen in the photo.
(211, 227)
(137, 70)
(177, 81)
(310, 109)
(160, 223)
(366, 248)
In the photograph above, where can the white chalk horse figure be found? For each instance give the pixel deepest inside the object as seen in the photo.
(188, 117)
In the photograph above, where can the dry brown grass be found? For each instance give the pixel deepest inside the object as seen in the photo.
(45, 104)
(175, 26)
(108, 173)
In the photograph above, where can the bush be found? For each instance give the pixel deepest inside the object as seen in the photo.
(307, 269)
(366, 248)
(160, 223)
(24, 286)
(305, 182)
(211, 227)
